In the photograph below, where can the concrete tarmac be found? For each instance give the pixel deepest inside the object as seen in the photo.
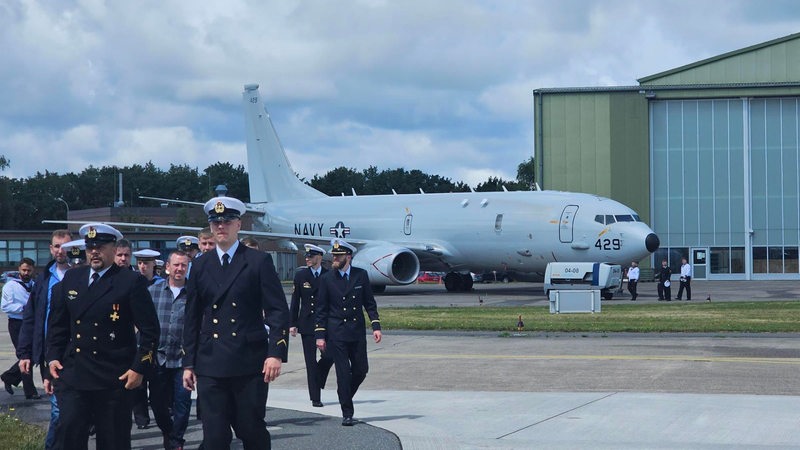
(431, 390)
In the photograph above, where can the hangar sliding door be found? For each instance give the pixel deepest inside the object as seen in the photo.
(724, 176)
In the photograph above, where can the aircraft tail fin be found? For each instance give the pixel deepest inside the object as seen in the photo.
(271, 176)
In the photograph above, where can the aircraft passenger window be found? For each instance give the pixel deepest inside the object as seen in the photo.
(599, 219)
(498, 223)
(610, 220)
(624, 218)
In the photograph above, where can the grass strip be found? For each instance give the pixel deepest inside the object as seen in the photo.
(18, 435)
(696, 317)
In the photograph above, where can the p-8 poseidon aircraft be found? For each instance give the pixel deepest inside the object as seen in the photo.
(399, 235)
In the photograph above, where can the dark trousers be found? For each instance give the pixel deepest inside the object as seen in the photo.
(688, 285)
(664, 292)
(109, 409)
(139, 403)
(632, 285)
(238, 402)
(171, 403)
(316, 371)
(351, 363)
(13, 375)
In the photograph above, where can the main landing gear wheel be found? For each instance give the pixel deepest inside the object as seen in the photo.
(458, 282)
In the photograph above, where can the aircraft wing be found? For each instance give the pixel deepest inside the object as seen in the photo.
(372, 252)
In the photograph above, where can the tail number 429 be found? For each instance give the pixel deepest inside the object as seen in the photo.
(608, 244)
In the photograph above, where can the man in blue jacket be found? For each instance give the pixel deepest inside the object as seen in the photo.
(34, 322)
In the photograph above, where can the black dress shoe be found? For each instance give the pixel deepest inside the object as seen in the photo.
(141, 427)
(33, 397)
(348, 422)
(9, 389)
(317, 404)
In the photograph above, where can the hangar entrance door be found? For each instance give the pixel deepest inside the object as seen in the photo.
(699, 263)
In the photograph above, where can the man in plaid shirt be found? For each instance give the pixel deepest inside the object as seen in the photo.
(166, 391)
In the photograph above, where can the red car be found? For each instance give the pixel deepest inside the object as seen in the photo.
(429, 277)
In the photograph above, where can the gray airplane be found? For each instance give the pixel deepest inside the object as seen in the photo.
(399, 235)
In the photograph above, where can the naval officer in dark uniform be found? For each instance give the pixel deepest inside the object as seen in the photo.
(93, 354)
(344, 293)
(230, 356)
(303, 310)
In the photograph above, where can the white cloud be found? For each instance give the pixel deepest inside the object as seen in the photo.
(444, 87)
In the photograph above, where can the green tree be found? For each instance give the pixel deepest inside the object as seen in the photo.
(234, 178)
(339, 180)
(526, 174)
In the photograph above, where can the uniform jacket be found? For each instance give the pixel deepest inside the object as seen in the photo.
(304, 299)
(91, 328)
(31, 335)
(223, 331)
(340, 315)
(664, 274)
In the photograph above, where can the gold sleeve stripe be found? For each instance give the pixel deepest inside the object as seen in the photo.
(282, 341)
(376, 320)
(319, 329)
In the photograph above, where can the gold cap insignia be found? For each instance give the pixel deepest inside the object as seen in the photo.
(219, 208)
(188, 241)
(92, 233)
(75, 251)
(336, 244)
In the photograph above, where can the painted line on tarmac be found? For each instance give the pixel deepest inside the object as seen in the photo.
(729, 359)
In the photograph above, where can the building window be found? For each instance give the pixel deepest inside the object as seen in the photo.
(725, 260)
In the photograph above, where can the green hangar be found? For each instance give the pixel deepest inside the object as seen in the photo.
(709, 152)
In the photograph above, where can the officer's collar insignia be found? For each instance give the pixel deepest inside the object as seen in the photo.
(92, 233)
(72, 295)
(219, 208)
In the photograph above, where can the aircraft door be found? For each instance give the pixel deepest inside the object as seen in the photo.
(565, 225)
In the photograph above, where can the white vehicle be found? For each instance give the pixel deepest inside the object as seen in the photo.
(604, 277)
(399, 236)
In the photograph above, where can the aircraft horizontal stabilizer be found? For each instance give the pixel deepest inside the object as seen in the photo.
(185, 202)
(150, 226)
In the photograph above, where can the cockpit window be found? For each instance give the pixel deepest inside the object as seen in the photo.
(624, 218)
(599, 219)
(610, 219)
(636, 218)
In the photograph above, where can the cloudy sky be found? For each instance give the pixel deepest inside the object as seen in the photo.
(441, 86)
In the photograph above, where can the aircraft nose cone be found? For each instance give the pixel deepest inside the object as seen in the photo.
(651, 242)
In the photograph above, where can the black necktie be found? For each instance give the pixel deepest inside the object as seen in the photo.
(225, 260)
(316, 274)
(95, 276)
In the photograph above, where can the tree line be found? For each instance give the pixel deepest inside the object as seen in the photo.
(25, 202)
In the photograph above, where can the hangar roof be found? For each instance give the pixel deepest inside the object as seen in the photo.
(773, 61)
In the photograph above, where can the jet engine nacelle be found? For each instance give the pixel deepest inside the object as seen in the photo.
(388, 265)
